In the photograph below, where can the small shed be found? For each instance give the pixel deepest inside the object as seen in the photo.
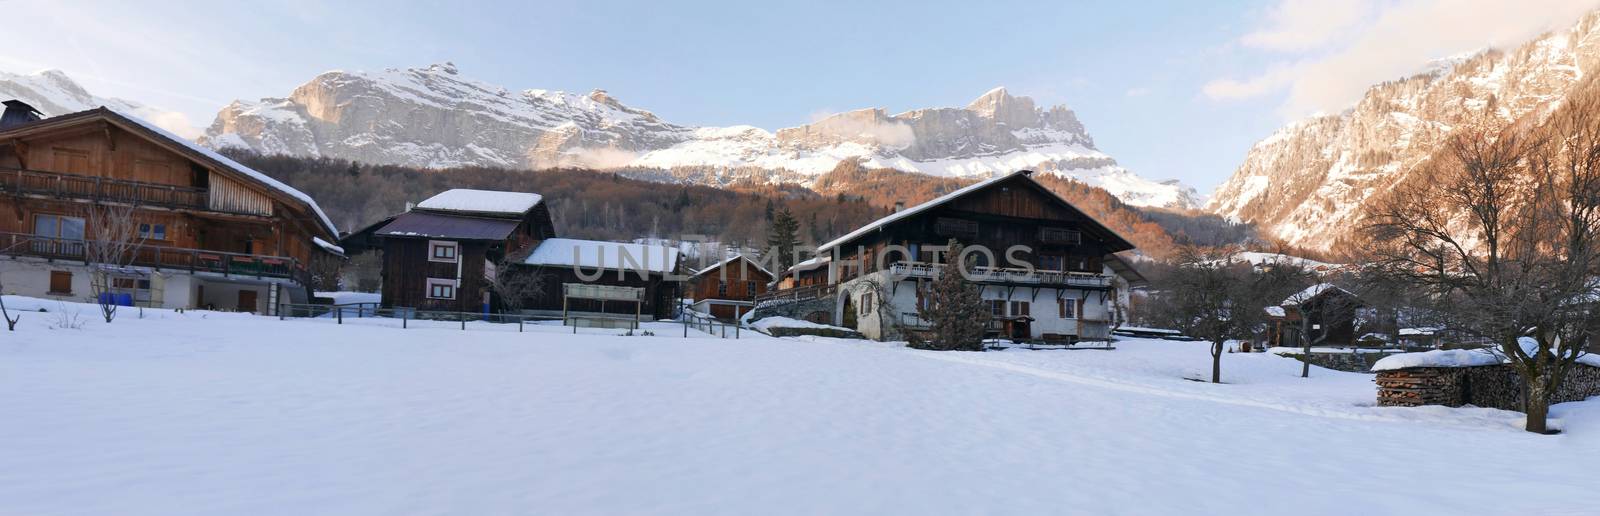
(728, 289)
(1324, 313)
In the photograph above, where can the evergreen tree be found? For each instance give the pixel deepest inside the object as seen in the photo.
(954, 308)
(783, 235)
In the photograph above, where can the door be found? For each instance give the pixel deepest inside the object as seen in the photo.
(247, 301)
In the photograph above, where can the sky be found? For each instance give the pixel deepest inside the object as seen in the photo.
(1172, 90)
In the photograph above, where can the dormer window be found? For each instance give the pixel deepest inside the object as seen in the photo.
(443, 251)
(1060, 236)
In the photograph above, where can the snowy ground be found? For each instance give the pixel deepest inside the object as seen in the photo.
(211, 413)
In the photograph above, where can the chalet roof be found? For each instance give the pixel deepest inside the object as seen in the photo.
(1124, 268)
(421, 224)
(963, 192)
(731, 260)
(1313, 292)
(489, 202)
(182, 146)
(596, 254)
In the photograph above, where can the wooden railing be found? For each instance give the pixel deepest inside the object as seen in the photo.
(1005, 275)
(796, 294)
(159, 257)
(53, 184)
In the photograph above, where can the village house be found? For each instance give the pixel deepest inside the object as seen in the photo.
(443, 254)
(1064, 283)
(205, 231)
(448, 253)
(727, 290)
(1323, 312)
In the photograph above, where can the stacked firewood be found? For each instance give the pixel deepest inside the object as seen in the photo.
(1419, 386)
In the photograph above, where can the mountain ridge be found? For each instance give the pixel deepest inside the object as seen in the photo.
(435, 117)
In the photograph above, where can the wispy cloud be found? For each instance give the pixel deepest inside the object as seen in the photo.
(1137, 92)
(1331, 52)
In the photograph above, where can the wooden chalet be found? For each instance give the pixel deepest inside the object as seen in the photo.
(1324, 312)
(1071, 292)
(211, 233)
(728, 289)
(444, 253)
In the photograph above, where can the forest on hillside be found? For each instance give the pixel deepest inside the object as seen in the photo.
(611, 206)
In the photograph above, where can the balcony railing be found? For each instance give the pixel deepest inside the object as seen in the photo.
(1006, 275)
(159, 257)
(73, 186)
(795, 294)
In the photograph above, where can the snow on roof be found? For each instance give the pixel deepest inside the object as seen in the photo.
(328, 245)
(482, 201)
(902, 214)
(1414, 332)
(1275, 311)
(730, 259)
(604, 255)
(1311, 293)
(236, 166)
(810, 263)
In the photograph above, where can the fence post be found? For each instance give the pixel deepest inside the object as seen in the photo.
(736, 331)
(463, 322)
(339, 311)
(403, 317)
(686, 327)
(520, 319)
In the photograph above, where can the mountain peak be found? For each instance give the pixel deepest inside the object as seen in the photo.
(445, 67)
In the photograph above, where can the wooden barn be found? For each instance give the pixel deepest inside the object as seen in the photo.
(1325, 313)
(444, 254)
(208, 232)
(728, 289)
(563, 265)
(1062, 282)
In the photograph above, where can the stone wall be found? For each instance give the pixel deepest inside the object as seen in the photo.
(800, 309)
(1495, 386)
(1355, 362)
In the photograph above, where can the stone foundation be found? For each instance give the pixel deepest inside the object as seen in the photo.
(1495, 386)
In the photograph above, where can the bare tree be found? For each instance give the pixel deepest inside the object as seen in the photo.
(1213, 296)
(515, 285)
(1320, 307)
(1500, 232)
(114, 240)
(954, 308)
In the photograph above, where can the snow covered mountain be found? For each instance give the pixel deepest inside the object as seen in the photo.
(435, 117)
(53, 93)
(1309, 182)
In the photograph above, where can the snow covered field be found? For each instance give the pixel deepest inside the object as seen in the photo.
(211, 413)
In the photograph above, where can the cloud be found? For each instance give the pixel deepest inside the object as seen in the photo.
(1137, 92)
(1334, 62)
(1298, 25)
(869, 125)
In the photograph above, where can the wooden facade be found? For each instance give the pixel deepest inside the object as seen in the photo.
(1041, 263)
(412, 269)
(728, 289)
(196, 212)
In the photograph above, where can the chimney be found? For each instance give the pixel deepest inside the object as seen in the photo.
(18, 113)
(899, 206)
(410, 205)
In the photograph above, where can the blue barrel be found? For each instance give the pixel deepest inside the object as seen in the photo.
(125, 299)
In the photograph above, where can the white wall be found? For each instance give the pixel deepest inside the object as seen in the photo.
(1046, 315)
(32, 279)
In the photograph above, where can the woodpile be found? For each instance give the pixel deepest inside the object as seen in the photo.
(1495, 386)
(1420, 386)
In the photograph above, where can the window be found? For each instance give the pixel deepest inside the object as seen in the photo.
(58, 226)
(750, 289)
(1060, 236)
(866, 304)
(997, 307)
(442, 251)
(441, 288)
(1020, 308)
(722, 289)
(954, 227)
(153, 231)
(1050, 263)
(1069, 308)
(60, 282)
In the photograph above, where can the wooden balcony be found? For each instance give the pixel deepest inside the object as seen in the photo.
(160, 258)
(1007, 276)
(72, 186)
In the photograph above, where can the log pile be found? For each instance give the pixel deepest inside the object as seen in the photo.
(1419, 386)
